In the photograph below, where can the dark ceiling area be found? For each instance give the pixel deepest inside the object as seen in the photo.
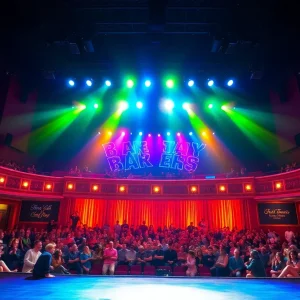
(62, 38)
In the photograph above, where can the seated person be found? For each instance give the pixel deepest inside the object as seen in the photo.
(58, 263)
(131, 256)
(158, 257)
(255, 267)
(85, 259)
(191, 264)
(292, 268)
(43, 265)
(236, 264)
(220, 268)
(122, 255)
(170, 256)
(277, 265)
(31, 257)
(74, 259)
(209, 259)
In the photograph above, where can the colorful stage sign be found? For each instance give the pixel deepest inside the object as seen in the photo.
(136, 155)
(39, 211)
(277, 214)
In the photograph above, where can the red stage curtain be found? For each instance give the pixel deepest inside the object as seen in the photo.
(218, 213)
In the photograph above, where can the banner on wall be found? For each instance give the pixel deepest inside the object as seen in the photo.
(136, 155)
(277, 214)
(39, 211)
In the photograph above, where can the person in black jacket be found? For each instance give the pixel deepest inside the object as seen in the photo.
(43, 265)
(170, 256)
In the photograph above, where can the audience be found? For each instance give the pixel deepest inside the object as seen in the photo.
(31, 257)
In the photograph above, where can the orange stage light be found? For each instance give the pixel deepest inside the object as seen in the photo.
(95, 187)
(48, 186)
(70, 186)
(25, 184)
(248, 187)
(278, 185)
(222, 188)
(156, 189)
(122, 188)
(194, 189)
(2, 179)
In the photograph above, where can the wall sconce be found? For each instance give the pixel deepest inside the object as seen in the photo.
(95, 188)
(194, 189)
(222, 188)
(70, 186)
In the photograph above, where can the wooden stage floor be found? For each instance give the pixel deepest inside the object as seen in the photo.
(15, 286)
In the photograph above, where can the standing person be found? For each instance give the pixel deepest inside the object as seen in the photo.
(117, 229)
(43, 265)
(110, 257)
(75, 219)
(191, 264)
(31, 257)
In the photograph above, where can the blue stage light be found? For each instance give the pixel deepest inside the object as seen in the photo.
(190, 133)
(89, 82)
(147, 83)
(191, 83)
(210, 83)
(140, 133)
(230, 82)
(71, 82)
(139, 105)
(108, 83)
(168, 133)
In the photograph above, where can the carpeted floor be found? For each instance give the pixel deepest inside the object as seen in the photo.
(16, 286)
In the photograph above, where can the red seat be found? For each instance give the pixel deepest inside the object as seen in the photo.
(179, 271)
(96, 268)
(268, 272)
(121, 270)
(204, 271)
(136, 270)
(149, 270)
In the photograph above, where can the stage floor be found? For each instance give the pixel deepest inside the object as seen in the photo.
(14, 286)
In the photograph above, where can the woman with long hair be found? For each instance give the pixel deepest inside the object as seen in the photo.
(277, 265)
(191, 264)
(255, 267)
(220, 268)
(58, 262)
(85, 259)
(292, 268)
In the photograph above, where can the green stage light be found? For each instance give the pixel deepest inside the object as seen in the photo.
(130, 83)
(123, 105)
(186, 106)
(210, 106)
(223, 107)
(170, 83)
(96, 105)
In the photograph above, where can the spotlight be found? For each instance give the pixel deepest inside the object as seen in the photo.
(186, 106)
(190, 133)
(130, 133)
(204, 133)
(108, 83)
(147, 83)
(123, 133)
(191, 83)
(109, 133)
(71, 82)
(230, 82)
(89, 82)
(168, 133)
(170, 83)
(96, 105)
(82, 107)
(99, 132)
(48, 186)
(178, 134)
(158, 135)
(223, 107)
(210, 83)
(210, 106)
(140, 133)
(139, 105)
(169, 105)
(130, 83)
(123, 105)
(213, 133)
(149, 135)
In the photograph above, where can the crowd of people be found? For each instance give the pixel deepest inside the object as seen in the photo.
(75, 248)
(15, 166)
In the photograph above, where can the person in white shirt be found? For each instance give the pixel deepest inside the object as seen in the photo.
(289, 235)
(31, 257)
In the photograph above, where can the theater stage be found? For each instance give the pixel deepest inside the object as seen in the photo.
(14, 286)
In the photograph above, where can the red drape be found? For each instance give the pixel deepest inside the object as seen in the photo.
(217, 213)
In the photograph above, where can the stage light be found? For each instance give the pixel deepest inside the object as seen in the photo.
(169, 105)
(170, 83)
(230, 82)
(25, 184)
(278, 185)
(82, 107)
(70, 186)
(190, 133)
(222, 188)
(96, 105)
(149, 135)
(210, 83)
(140, 133)
(130, 133)
(130, 83)
(139, 105)
(123, 133)
(194, 189)
(168, 133)
(89, 82)
(178, 134)
(248, 187)
(71, 82)
(204, 133)
(186, 106)
(158, 135)
(123, 105)
(99, 132)
(95, 187)
(156, 189)
(2, 179)
(213, 133)
(122, 188)
(109, 133)
(210, 106)
(48, 186)
(191, 83)
(223, 107)
(147, 83)
(108, 83)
